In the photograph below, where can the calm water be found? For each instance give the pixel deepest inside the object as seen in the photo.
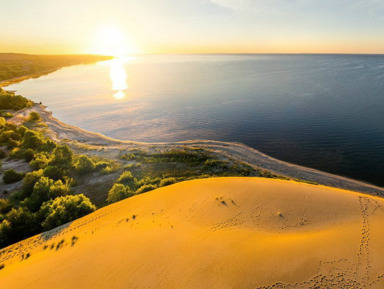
(325, 112)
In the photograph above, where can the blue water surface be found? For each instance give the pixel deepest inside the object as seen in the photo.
(320, 111)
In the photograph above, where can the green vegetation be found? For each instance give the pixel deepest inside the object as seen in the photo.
(9, 100)
(34, 116)
(118, 193)
(84, 165)
(18, 65)
(145, 171)
(61, 210)
(63, 185)
(45, 198)
(10, 176)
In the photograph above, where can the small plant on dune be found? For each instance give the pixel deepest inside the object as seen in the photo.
(167, 182)
(118, 192)
(145, 188)
(34, 117)
(10, 176)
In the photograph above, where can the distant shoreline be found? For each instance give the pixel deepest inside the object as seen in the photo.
(78, 137)
(17, 67)
(27, 76)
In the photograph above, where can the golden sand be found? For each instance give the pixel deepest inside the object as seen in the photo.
(212, 233)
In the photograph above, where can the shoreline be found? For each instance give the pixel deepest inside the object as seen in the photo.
(18, 79)
(98, 144)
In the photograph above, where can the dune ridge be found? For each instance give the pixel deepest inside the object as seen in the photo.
(212, 233)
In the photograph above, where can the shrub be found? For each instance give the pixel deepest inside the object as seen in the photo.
(40, 194)
(145, 188)
(2, 121)
(211, 163)
(24, 154)
(167, 182)
(84, 165)
(5, 206)
(132, 166)
(10, 134)
(108, 169)
(10, 176)
(7, 115)
(40, 161)
(148, 181)
(127, 157)
(11, 143)
(29, 182)
(31, 140)
(101, 165)
(28, 155)
(34, 116)
(127, 179)
(48, 146)
(8, 100)
(54, 173)
(118, 192)
(5, 230)
(21, 130)
(59, 189)
(65, 209)
(62, 157)
(23, 223)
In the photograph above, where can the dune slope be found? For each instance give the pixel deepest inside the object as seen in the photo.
(212, 233)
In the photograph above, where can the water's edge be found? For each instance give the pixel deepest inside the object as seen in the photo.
(102, 145)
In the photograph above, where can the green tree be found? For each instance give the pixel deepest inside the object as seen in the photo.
(59, 189)
(32, 140)
(45, 189)
(55, 172)
(8, 100)
(127, 179)
(40, 194)
(5, 233)
(62, 157)
(5, 206)
(118, 192)
(29, 182)
(40, 161)
(65, 209)
(84, 165)
(23, 223)
(10, 176)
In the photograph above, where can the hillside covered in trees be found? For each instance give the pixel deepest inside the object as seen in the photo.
(14, 65)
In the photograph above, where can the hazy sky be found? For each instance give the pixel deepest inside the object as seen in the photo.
(192, 26)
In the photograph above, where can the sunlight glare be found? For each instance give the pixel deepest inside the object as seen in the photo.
(111, 40)
(118, 76)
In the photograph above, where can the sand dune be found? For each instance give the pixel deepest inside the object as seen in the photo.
(212, 233)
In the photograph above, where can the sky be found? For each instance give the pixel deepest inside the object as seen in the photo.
(191, 26)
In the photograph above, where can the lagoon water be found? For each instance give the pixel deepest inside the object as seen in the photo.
(320, 111)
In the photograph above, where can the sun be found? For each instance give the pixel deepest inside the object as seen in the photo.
(111, 40)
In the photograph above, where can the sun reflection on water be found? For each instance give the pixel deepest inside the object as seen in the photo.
(118, 76)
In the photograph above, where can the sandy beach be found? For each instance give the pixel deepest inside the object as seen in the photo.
(94, 143)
